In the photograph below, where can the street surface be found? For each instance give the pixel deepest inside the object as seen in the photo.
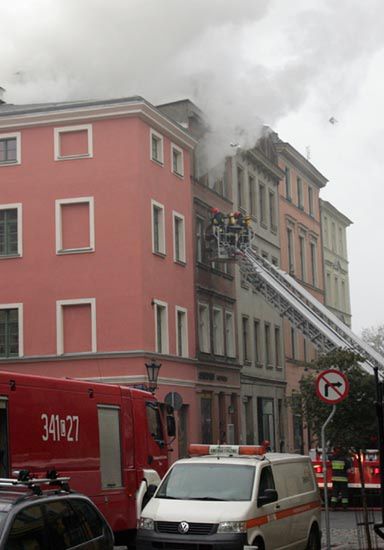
(346, 531)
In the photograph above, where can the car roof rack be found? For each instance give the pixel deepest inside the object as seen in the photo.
(25, 480)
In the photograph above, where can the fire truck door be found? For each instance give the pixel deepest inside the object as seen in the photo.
(4, 457)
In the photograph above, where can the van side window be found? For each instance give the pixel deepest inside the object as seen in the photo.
(266, 480)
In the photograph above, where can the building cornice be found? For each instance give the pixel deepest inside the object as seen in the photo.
(326, 206)
(306, 167)
(91, 112)
(263, 163)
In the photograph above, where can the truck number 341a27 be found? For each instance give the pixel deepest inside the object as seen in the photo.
(60, 429)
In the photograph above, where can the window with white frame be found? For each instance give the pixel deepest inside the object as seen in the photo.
(161, 326)
(158, 228)
(76, 326)
(177, 160)
(230, 334)
(278, 363)
(156, 147)
(10, 230)
(10, 149)
(313, 252)
(75, 225)
(217, 331)
(73, 142)
(178, 237)
(11, 330)
(181, 332)
(204, 329)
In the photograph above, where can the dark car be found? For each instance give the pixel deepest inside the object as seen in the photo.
(51, 519)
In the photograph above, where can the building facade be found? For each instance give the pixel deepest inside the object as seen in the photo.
(301, 257)
(218, 368)
(336, 271)
(256, 176)
(95, 221)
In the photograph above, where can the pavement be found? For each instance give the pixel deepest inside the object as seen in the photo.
(347, 530)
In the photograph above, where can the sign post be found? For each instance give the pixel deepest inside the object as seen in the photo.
(332, 386)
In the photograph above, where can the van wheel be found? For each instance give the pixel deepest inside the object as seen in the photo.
(314, 542)
(259, 543)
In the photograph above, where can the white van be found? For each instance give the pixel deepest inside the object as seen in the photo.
(234, 498)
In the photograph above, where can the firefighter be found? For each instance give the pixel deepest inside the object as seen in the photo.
(217, 217)
(340, 465)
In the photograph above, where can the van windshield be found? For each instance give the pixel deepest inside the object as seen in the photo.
(217, 481)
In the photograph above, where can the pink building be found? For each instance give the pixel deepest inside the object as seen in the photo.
(97, 272)
(301, 257)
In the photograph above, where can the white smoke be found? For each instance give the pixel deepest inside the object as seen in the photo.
(244, 62)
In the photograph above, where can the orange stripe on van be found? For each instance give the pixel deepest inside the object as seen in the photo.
(262, 520)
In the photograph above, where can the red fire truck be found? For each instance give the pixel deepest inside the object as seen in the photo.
(109, 439)
(371, 468)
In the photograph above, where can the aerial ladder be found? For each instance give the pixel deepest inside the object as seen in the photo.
(230, 239)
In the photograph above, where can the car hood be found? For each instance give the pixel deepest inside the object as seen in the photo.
(198, 511)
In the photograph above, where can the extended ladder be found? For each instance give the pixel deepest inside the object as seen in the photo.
(292, 301)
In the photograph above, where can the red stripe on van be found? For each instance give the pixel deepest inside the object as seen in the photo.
(262, 520)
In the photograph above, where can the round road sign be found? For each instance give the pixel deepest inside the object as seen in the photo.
(332, 386)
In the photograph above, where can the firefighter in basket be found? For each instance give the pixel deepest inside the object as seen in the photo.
(341, 465)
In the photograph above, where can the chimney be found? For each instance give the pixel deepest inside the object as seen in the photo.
(2, 92)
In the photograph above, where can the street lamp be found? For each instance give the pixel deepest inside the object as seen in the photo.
(153, 369)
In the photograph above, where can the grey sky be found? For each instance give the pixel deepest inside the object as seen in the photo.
(291, 65)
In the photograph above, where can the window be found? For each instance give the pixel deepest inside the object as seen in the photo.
(326, 237)
(310, 200)
(287, 184)
(11, 330)
(204, 332)
(300, 202)
(88, 517)
(252, 195)
(278, 364)
(256, 341)
(110, 446)
(240, 187)
(181, 332)
(333, 236)
(291, 261)
(177, 160)
(272, 211)
(75, 225)
(161, 326)
(262, 204)
(28, 529)
(337, 301)
(73, 142)
(199, 239)
(158, 228)
(206, 418)
(217, 331)
(178, 238)
(230, 334)
(10, 230)
(302, 257)
(63, 526)
(293, 343)
(245, 333)
(76, 326)
(10, 150)
(267, 337)
(341, 241)
(157, 147)
(313, 248)
(266, 422)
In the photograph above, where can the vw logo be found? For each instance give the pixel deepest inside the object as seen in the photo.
(183, 527)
